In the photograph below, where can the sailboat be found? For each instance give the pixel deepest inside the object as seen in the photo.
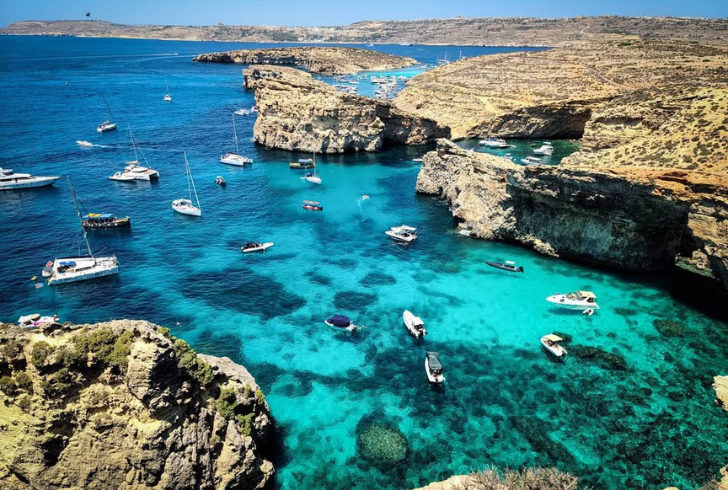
(80, 268)
(107, 125)
(167, 97)
(235, 158)
(185, 206)
(133, 169)
(312, 177)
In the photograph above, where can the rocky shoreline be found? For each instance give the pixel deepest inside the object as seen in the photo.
(122, 404)
(322, 60)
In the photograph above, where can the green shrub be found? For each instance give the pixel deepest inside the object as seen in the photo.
(105, 346)
(227, 402)
(12, 349)
(196, 367)
(24, 381)
(245, 423)
(7, 385)
(119, 356)
(164, 332)
(42, 352)
(259, 396)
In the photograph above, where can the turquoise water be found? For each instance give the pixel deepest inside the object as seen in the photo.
(505, 403)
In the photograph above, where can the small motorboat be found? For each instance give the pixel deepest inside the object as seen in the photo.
(32, 322)
(95, 221)
(342, 322)
(242, 112)
(312, 205)
(531, 161)
(508, 265)
(578, 300)
(545, 149)
(87, 144)
(256, 247)
(414, 324)
(220, 181)
(433, 368)
(402, 233)
(418, 160)
(302, 163)
(106, 126)
(550, 343)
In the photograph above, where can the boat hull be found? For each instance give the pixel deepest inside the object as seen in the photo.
(118, 223)
(31, 184)
(399, 238)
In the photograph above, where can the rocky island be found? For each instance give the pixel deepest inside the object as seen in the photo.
(323, 60)
(299, 113)
(122, 404)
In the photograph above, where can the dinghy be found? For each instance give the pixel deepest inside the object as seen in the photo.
(414, 324)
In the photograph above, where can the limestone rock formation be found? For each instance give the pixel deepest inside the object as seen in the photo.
(324, 60)
(721, 392)
(299, 113)
(123, 405)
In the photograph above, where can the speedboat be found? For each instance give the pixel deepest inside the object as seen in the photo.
(578, 300)
(242, 112)
(185, 206)
(531, 161)
(302, 163)
(84, 143)
(220, 181)
(104, 220)
(550, 343)
(10, 180)
(31, 322)
(433, 368)
(545, 149)
(256, 247)
(342, 322)
(418, 160)
(508, 265)
(312, 205)
(414, 324)
(402, 233)
(106, 126)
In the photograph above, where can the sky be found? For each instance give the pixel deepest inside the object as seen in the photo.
(338, 12)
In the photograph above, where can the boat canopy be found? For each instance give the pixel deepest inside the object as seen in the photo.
(553, 338)
(510, 262)
(586, 294)
(403, 228)
(311, 202)
(434, 362)
(98, 216)
(340, 321)
(67, 264)
(305, 160)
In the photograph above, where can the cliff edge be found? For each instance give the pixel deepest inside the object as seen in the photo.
(124, 405)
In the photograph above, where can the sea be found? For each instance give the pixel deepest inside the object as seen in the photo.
(631, 407)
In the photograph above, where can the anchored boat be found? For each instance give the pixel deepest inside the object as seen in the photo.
(550, 342)
(11, 181)
(545, 149)
(578, 300)
(342, 322)
(302, 163)
(235, 159)
(185, 206)
(312, 205)
(104, 220)
(433, 368)
(402, 233)
(414, 324)
(256, 247)
(508, 265)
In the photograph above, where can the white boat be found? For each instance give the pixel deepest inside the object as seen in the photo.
(242, 112)
(236, 158)
(531, 161)
(312, 177)
(342, 322)
(33, 321)
(107, 125)
(494, 143)
(79, 268)
(133, 169)
(84, 143)
(186, 206)
(167, 97)
(545, 149)
(433, 368)
(256, 247)
(11, 181)
(402, 233)
(550, 343)
(122, 177)
(414, 324)
(219, 180)
(578, 300)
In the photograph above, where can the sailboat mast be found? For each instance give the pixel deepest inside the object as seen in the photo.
(191, 180)
(111, 116)
(235, 137)
(78, 213)
(133, 144)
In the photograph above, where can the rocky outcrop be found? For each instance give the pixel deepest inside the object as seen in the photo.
(721, 391)
(299, 113)
(324, 60)
(123, 405)
(492, 479)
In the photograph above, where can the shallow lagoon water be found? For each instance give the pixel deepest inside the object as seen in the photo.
(505, 402)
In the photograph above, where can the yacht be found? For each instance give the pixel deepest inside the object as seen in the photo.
(402, 233)
(167, 98)
(236, 158)
(256, 247)
(433, 368)
(312, 177)
(186, 206)
(508, 265)
(531, 161)
(550, 343)
(11, 181)
(342, 322)
(578, 300)
(107, 125)
(545, 149)
(414, 324)
(494, 143)
(133, 169)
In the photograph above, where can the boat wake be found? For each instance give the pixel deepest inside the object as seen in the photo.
(361, 200)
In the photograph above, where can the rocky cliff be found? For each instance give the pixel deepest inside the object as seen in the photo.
(324, 60)
(721, 391)
(299, 113)
(123, 405)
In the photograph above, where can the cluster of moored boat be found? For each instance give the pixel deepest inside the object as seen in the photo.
(546, 149)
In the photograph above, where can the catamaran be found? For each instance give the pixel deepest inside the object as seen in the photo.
(11, 181)
(107, 125)
(235, 158)
(185, 206)
(133, 169)
(79, 268)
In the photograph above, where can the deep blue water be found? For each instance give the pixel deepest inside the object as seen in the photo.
(505, 403)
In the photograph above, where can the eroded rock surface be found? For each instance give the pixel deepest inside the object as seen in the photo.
(721, 392)
(122, 405)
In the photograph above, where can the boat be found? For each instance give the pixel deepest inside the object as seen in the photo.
(402, 233)
(256, 247)
(242, 112)
(531, 161)
(302, 163)
(508, 265)
(312, 205)
(185, 206)
(414, 324)
(236, 158)
(254, 109)
(12, 181)
(79, 268)
(342, 322)
(494, 143)
(107, 125)
(545, 149)
(167, 97)
(134, 169)
(312, 178)
(220, 181)
(84, 143)
(578, 300)
(122, 177)
(418, 160)
(433, 368)
(35, 320)
(550, 343)
(95, 221)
